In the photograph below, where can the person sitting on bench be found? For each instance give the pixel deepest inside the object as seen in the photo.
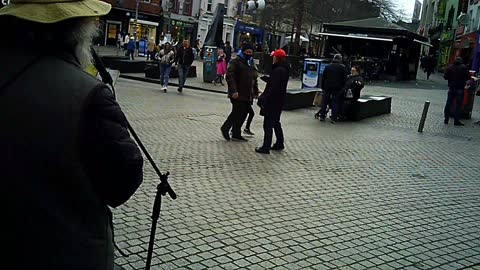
(353, 87)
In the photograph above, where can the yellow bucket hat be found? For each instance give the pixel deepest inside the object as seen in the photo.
(52, 11)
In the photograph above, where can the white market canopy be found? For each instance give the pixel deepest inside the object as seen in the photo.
(302, 38)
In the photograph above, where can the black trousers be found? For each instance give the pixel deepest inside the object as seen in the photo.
(251, 114)
(272, 123)
(237, 117)
(457, 96)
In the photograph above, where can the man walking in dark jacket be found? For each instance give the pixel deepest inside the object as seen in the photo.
(67, 155)
(271, 103)
(184, 58)
(242, 89)
(333, 83)
(457, 76)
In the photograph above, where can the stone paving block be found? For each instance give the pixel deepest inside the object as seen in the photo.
(392, 195)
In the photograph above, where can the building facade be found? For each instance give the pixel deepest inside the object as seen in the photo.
(176, 19)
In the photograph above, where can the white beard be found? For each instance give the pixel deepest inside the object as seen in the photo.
(83, 36)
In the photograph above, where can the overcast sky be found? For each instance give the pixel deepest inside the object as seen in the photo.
(407, 6)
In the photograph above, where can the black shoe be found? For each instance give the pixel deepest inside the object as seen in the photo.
(180, 90)
(322, 119)
(262, 150)
(277, 147)
(445, 121)
(239, 139)
(458, 123)
(225, 134)
(247, 131)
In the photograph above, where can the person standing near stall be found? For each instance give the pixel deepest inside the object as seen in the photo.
(457, 76)
(333, 83)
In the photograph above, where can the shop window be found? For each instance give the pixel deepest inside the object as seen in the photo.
(209, 5)
(187, 7)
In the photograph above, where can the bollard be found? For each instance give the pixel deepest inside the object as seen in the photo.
(424, 116)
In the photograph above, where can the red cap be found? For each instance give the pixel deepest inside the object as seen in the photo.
(279, 53)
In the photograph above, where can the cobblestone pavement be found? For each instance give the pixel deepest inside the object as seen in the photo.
(373, 194)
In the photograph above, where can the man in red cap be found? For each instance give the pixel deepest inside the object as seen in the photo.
(271, 103)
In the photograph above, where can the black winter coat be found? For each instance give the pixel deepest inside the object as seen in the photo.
(242, 79)
(66, 157)
(355, 84)
(334, 77)
(185, 56)
(457, 76)
(273, 98)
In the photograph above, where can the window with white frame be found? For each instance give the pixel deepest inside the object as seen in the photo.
(187, 7)
(209, 5)
(477, 19)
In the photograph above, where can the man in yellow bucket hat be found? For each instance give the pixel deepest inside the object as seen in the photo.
(67, 154)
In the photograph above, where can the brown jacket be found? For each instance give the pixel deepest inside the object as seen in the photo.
(242, 79)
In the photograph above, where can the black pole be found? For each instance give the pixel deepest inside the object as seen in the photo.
(163, 187)
(424, 116)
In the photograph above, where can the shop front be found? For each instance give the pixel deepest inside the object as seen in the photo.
(465, 47)
(249, 33)
(445, 49)
(180, 30)
(122, 21)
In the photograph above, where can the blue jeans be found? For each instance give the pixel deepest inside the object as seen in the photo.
(272, 123)
(182, 75)
(456, 94)
(333, 100)
(165, 73)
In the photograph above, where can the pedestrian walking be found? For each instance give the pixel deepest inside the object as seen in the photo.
(126, 39)
(119, 40)
(429, 65)
(131, 48)
(228, 51)
(251, 114)
(457, 76)
(271, 103)
(67, 155)
(333, 83)
(221, 68)
(184, 59)
(242, 89)
(166, 57)
(151, 49)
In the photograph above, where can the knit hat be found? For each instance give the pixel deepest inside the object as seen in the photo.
(279, 53)
(247, 46)
(337, 58)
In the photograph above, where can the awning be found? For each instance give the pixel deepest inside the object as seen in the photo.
(144, 22)
(423, 43)
(356, 36)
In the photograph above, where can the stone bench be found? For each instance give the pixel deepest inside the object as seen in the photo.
(370, 106)
(299, 98)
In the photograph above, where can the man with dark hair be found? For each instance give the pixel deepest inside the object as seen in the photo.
(333, 83)
(242, 89)
(457, 76)
(67, 154)
(184, 58)
(271, 103)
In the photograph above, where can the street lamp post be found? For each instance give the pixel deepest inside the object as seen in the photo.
(136, 20)
(169, 15)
